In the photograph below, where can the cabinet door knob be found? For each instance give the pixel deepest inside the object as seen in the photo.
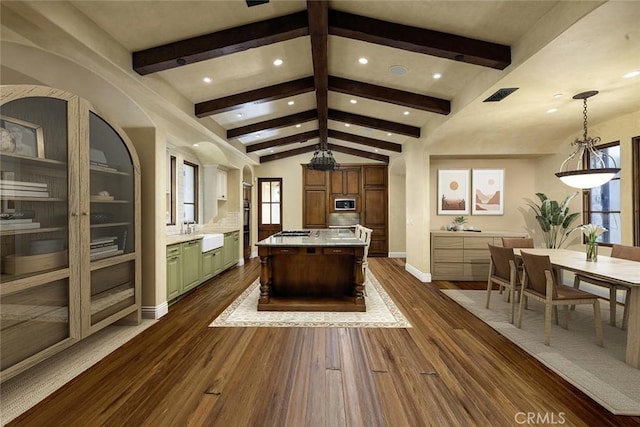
(74, 213)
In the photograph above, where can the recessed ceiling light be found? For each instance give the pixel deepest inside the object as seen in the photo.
(298, 126)
(206, 79)
(239, 115)
(436, 75)
(552, 110)
(347, 125)
(258, 135)
(406, 113)
(630, 74)
(363, 60)
(353, 101)
(271, 151)
(196, 145)
(389, 134)
(398, 70)
(277, 62)
(377, 151)
(290, 102)
(558, 95)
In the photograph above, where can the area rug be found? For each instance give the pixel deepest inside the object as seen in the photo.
(381, 312)
(27, 389)
(601, 373)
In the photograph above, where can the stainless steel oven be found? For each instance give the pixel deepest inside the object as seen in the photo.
(345, 204)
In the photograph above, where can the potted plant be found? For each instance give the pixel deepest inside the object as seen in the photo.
(554, 219)
(459, 222)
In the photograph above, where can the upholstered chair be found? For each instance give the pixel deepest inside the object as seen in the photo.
(365, 236)
(517, 242)
(540, 284)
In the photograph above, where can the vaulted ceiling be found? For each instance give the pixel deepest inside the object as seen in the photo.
(321, 91)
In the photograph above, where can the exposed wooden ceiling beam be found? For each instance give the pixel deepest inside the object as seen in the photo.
(319, 31)
(393, 96)
(419, 40)
(265, 94)
(359, 153)
(373, 123)
(285, 154)
(272, 124)
(292, 139)
(369, 142)
(220, 43)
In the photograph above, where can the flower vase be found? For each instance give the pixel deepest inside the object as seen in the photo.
(592, 251)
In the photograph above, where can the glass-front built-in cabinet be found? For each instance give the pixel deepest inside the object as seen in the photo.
(69, 225)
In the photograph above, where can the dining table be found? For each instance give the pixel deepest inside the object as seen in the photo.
(613, 270)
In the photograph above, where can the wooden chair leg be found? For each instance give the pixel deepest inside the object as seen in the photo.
(548, 310)
(512, 303)
(489, 289)
(576, 285)
(523, 301)
(625, 313)
(565, 317)
(598, 320)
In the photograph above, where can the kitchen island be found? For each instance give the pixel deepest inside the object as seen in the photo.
(311, 270)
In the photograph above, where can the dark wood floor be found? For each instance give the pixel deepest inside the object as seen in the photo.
(450, 369)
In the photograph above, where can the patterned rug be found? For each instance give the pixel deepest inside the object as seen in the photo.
(599, 372)
(381, 312)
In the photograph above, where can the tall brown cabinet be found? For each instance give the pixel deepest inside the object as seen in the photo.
(69, 225)
(366, 184)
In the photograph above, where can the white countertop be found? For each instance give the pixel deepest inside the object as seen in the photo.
(172, 239)
(323, 237)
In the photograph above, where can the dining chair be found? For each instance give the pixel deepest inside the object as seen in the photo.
(540, 284)
(357, 229)
(517, 242)
(631, 253)
(503, 272)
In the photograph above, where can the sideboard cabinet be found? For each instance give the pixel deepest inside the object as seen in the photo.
(464, 255)
(69, 225)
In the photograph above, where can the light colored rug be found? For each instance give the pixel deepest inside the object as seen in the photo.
(24, 391)
(573, 354)
(381, 312)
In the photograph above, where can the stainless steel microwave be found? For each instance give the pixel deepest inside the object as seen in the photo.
(345, 204)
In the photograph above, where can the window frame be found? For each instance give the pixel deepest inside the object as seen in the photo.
(186, 163)
(172, 189)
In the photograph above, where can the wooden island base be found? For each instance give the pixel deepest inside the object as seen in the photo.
(318, 273)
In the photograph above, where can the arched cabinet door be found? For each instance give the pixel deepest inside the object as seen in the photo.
(54, 290)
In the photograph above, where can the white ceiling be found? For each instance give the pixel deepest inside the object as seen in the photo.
(556, 47)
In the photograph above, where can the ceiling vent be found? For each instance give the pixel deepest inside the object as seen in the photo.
(501, 94)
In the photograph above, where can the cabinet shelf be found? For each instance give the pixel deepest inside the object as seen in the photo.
(33, 199)
(110, 224)
(9, 157)
(31, 231)
(110, 171)
(111, 201)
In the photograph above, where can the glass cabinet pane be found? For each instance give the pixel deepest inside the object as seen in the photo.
(34, 206)
(112, 289)
(111, 192)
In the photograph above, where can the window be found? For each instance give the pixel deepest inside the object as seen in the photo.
(602, 204)
(270, 202)
(190, 193)
(635, 176)
(170, 190)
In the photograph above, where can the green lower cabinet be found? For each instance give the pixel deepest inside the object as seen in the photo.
(191, 264)
(217, 261)
(174, 271)
(231, 249)
(211, 264)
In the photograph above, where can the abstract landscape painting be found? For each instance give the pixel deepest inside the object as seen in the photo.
(488, 197)
(453, 191)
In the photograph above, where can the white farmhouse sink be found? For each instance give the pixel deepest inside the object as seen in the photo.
(212, 241)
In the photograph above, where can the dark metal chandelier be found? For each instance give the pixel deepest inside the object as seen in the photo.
(584, 176)
(323, 158)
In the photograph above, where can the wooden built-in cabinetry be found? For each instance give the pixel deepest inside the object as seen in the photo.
(69, 233)
(366, 184)
(464, 255)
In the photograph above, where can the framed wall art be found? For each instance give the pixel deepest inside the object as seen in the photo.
(453, 191)
(20, 137)
(488, 192)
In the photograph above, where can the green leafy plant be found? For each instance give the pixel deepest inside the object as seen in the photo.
(554, 219)
(460, 220)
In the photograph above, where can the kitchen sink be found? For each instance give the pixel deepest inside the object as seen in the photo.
(212, 241)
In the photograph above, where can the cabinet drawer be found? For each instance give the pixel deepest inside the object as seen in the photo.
(448, 255)
(337, 251)
(478, 242)
(476, 271)
(284, 251)
(476, 256)
(448, 242)
(173, 250)
(448, 269)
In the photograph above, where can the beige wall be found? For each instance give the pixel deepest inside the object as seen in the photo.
(397, 209)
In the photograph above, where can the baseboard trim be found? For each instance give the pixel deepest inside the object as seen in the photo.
(151, 312)
(422, 276)
(397, 254)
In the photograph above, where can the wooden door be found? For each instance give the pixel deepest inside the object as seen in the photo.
(269, 207)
